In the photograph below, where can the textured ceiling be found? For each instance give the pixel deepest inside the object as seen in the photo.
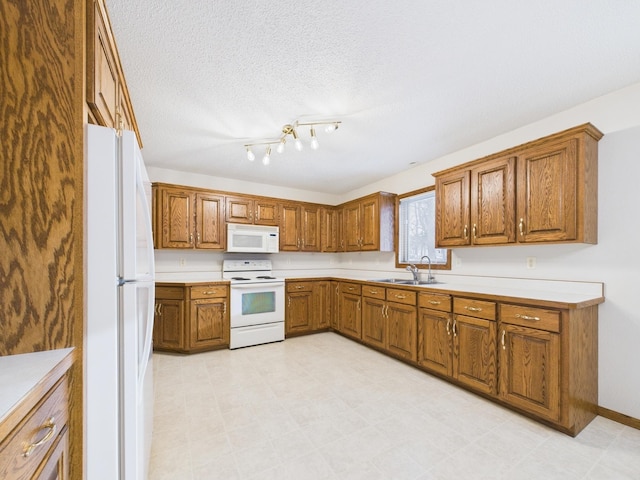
(411, 80)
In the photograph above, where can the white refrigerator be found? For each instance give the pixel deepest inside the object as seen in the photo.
(119, 308)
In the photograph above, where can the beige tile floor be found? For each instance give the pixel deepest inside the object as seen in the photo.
(324, 407)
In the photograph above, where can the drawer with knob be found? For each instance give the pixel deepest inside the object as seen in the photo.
(435, 301)
(299, 287)
(354, 288)
(530, 317)
(209, 291)
(397, 295)
(474, 308)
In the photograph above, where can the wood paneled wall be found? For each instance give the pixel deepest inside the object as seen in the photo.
(41, 196)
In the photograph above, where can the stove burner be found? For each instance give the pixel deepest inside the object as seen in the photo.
(266, 277)
(240, 278)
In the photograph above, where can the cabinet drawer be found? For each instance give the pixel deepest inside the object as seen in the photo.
(354, 288)
(208, 291)
(41, 426)
(474, 308)
(397, 295)
(170, 293)
(435, 301)
(299, 287)
(373, 291)
(530, 317)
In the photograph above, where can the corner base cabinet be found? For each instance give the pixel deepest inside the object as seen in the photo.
(191, 318)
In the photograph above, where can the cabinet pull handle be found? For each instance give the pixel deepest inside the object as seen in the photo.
(191, 238)
(504, 332)
(209, 292)
(400, 296)
(466, 232)
(521, 227)
(435, 302)
(289, 304)
(455, 332)
(358, 304)
(448, 329)
(299, 287)
(351, 288)
(224, 308)
(373, 292)
(48, 425)
(474, 230)
(473, 309)
(198, 237)
(160, 309)
(527, 317)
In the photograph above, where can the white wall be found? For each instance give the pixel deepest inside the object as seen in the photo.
(615, 260)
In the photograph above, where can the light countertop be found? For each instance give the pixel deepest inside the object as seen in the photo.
(20, 374)
(570, 293)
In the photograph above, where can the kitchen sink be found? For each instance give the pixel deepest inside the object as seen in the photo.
(402, 281)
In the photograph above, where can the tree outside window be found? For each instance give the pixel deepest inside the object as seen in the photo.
(417, 230)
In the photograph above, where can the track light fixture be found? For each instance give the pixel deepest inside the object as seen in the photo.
(290, 129)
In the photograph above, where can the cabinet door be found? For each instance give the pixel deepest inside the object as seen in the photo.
(352, 227)
(239, 209)
(310, 228)
(547, 193)
(453, 214)
(266, 212)
(210, 226)
(374, 325)
(350, 315)
(493, 202)
(102, 70)
(329, 230)
(402, 325)
(289, 227)
(530, 370)
(475, 353)
(370, 224)
(168, 327)
(322, 294)
(335, 305)
(299, 312)
(209, 325)
(435, 348)
(177, 218)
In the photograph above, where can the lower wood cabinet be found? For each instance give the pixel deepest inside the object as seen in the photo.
(350, 304)
(34, 436)
(191, 318)
(389, 320)
(308, 306)
(549, 362)
(457, 344)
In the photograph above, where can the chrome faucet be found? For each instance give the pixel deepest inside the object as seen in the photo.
(414, 271)
(430, 278)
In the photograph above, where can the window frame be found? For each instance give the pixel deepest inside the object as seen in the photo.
(439, 266)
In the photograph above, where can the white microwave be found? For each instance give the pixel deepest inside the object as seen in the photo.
(252, 238)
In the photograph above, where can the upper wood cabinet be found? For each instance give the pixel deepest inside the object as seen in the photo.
(477, 205)
(331, 229)
(188, 218)
(368, 223)
(300, 227)
(542, 191)
(246, 209)
(107, 94)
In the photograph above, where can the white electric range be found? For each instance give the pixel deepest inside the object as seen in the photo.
(257, 302)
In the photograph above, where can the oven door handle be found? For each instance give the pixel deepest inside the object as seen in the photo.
(247, 286)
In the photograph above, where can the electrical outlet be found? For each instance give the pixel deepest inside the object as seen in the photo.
(531, 262)
(182, 262)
